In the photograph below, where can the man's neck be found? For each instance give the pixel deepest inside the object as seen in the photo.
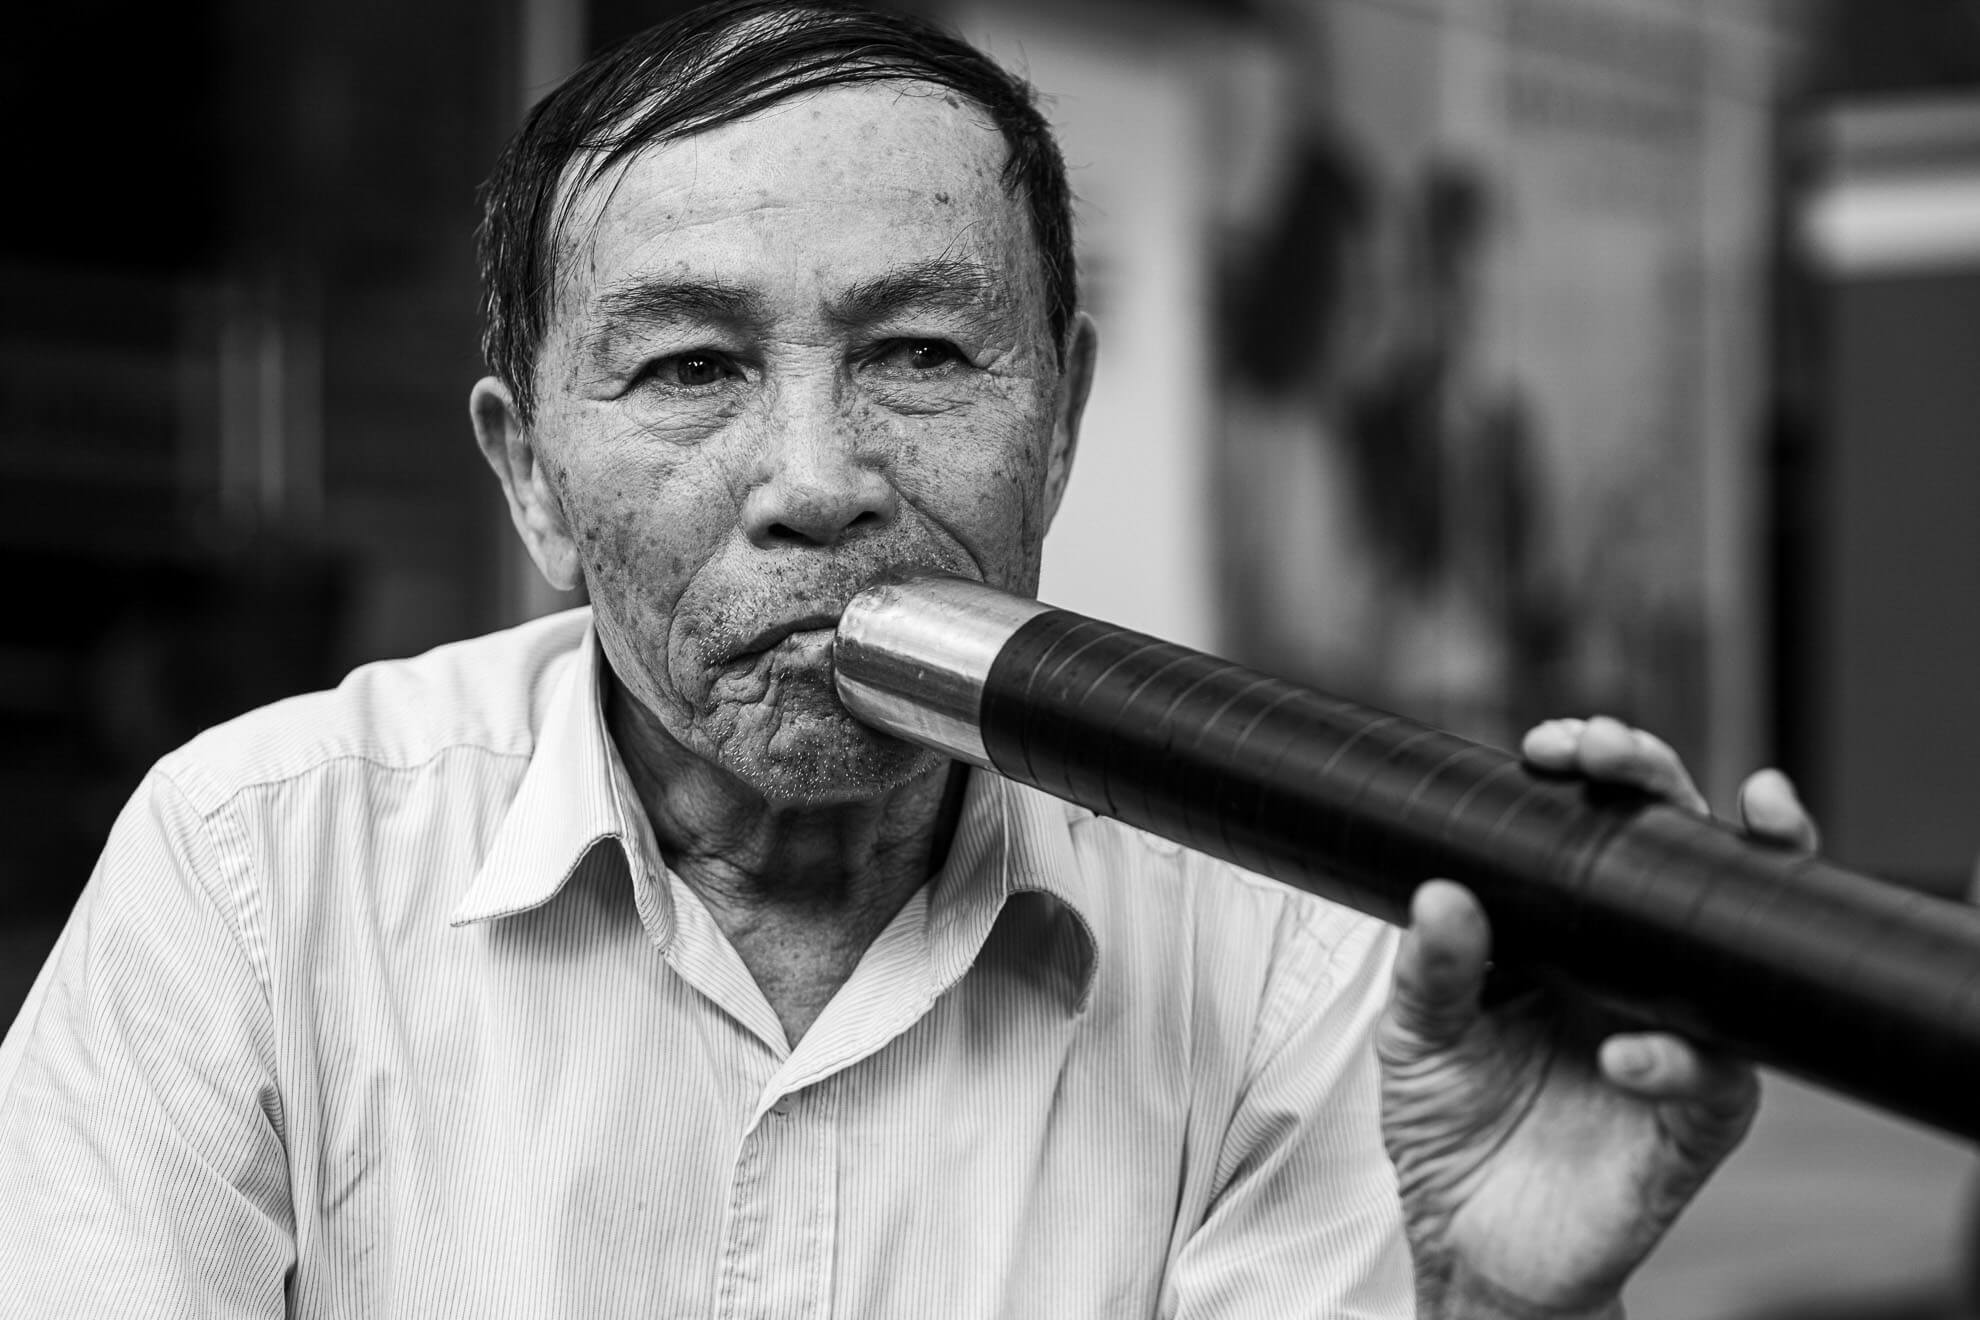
(800, 892)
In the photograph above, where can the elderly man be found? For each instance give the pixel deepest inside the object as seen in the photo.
(607, 967)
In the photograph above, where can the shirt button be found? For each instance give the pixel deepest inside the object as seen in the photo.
(782, 1109)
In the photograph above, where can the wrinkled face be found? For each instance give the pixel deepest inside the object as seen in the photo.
(790, 357)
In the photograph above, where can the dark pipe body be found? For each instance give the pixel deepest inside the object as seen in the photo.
(1850, 982)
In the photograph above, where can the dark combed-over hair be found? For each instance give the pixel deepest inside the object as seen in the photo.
(713, 65)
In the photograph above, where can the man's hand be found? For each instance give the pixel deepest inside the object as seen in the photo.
(1540, 1154)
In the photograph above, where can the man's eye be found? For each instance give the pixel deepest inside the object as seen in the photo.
(918, 354)
(691, 370)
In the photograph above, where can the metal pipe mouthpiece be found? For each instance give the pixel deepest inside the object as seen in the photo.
(912, 659)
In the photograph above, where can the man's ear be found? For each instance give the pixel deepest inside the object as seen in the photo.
(1075, 383)
(509, 445)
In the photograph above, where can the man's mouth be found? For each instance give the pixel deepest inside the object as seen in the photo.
(821, 605)
(777, 632)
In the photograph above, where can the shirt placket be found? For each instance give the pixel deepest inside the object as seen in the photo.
(781, 1220)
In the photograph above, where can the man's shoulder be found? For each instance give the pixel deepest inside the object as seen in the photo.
(486, 693)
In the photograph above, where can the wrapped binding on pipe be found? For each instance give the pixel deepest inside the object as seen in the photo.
(1847, 981)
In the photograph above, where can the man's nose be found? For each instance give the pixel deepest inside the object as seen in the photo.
(816, 484)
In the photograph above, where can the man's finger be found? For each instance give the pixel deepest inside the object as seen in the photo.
(1611, 751)
(1655, 1065)
(1614, 753)
(1553, 744)
(1441, 966)
(1770, 808)
(1712, 1096)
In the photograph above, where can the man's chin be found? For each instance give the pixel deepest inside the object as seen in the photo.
(823, 758)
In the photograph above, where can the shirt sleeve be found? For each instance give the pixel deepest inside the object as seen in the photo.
(1306, 1221)
(142, 1166)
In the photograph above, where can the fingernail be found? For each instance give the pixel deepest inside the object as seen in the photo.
(1629, 1056)
(1774, 780)
(1787, 786)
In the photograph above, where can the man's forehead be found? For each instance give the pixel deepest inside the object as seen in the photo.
(854, 178)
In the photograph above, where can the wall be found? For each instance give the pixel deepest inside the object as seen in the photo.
(1900, 619)
(1130, 105)
(1889, 642)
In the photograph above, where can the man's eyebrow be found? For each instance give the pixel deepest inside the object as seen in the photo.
(622, 307)
(940, 283)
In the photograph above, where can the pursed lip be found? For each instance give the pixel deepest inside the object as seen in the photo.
(830, 603)
(777, 632)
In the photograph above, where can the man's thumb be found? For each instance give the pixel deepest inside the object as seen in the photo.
(1440, 968)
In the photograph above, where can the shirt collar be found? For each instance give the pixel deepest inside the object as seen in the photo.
(1009, 840)
(565, 806)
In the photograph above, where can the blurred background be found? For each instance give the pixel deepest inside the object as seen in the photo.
(1481, 359)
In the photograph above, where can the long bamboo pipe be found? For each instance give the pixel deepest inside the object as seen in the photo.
(1848, 981)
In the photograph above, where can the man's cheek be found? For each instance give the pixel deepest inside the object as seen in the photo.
(986, 486)
(636, 565)
(1011, 512)
(643, 544)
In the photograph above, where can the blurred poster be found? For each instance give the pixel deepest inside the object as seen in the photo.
(1491, 301)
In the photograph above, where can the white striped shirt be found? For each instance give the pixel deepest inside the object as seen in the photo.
(380, 1003)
